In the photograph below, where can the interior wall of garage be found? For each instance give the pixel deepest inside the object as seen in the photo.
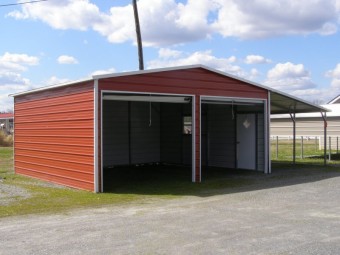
(219, 136)
(129, 139)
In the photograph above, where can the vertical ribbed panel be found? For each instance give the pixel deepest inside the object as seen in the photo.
(116, 142)
(172, 133)
(54, 136)
(221, 138)
(260, 142)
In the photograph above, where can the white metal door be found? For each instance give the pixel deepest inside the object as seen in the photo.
(246, 141)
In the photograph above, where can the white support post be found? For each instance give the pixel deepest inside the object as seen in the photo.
(95, 120)
(267, 156)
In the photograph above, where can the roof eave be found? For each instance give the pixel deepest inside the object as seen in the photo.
(49, 87)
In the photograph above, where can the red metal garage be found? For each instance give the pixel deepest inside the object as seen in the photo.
(191, 115)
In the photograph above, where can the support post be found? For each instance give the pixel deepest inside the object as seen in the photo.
(330, 148)
(301, 147)
(277, 147)
(324, 117)
(292, 116)
(316, 144)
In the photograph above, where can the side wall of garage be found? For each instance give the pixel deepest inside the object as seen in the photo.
(54, 135)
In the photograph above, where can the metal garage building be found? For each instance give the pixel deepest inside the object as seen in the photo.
(191, 115)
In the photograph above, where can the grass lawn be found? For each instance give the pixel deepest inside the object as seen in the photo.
(48, 198)
(311, 153)
(142, 186)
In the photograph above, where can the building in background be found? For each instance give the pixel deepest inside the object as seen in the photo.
(6, 122)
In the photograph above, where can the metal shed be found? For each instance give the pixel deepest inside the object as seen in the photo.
(193, 115)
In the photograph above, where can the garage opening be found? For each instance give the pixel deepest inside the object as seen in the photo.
(144, 136)
(233, 135)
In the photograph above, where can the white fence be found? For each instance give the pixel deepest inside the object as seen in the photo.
(305, 145)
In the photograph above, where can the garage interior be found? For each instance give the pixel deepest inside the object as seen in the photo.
(149, 137)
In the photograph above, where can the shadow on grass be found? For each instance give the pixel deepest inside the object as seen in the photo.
(334, 156)
(174, 180)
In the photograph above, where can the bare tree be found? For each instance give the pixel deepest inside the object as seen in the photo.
(139, 36)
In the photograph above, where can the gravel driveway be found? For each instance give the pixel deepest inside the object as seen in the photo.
(288, 215)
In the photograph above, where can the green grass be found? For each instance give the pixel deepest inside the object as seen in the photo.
(47, 198)
(6, 160)
(311, 153)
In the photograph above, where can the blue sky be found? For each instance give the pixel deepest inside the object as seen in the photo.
(289, 45)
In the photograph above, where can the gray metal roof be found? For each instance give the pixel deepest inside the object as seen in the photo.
(280, 102)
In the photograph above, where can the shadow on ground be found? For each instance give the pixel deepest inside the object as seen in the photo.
(173, 180)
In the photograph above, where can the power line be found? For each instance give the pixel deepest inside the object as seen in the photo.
(29, 2)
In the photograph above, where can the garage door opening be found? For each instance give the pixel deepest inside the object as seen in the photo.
(233, 135)
(143, 136)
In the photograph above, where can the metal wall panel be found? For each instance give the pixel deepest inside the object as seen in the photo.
(116, 133)
(187, 139)
(128, 137)
(171, 133)
(221, 136)
(145, 138)
(54, 135)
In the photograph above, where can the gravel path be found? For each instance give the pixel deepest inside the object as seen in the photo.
(286, 216)
(10, 193)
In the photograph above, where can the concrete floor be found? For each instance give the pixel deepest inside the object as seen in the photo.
(285, 214)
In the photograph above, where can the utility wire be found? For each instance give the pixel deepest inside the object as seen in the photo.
(29, 2)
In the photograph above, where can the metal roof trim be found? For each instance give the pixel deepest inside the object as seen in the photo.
(70, 83)
(147, 71)
(334, 99)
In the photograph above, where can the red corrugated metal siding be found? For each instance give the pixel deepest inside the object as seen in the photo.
(54, 135)
(197, 81)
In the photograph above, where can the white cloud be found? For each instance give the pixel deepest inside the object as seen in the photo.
(61, 14)
(256, 59)
(64, 59)
(19, 59)
(165, 53)
(262, 18)
(6, 103)
(318, 96)
(335, 76)
(162, 22)
(100, 72)
(172, 22)
(289, 77)
(53, 80)
(11, 80)
(199, 57)
(254, 73)
(17, 62)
